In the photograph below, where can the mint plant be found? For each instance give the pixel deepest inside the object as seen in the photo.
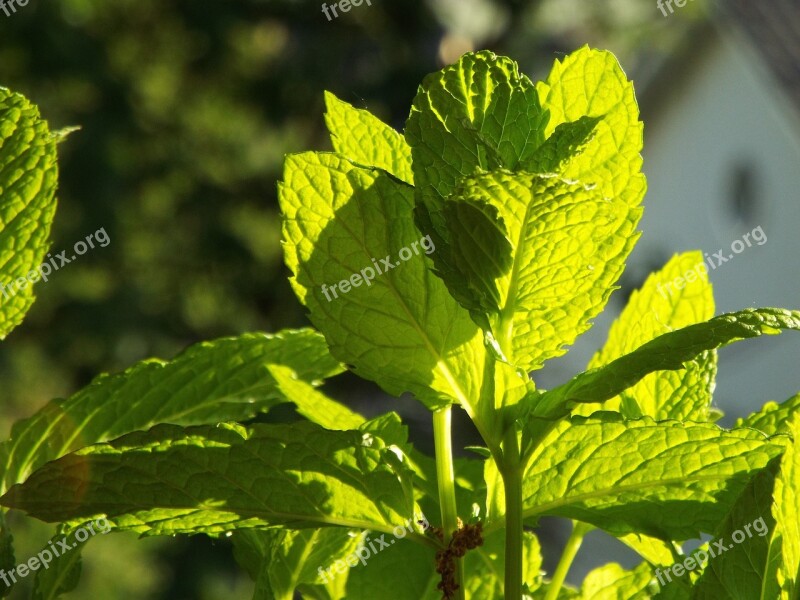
(528, 196)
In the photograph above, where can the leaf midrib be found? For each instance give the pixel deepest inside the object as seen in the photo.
(616, 490)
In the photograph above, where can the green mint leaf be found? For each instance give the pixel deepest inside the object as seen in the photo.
(669, 351)
(470, 488)
(253, 548)
(765, 563)
(403, 571)
(285, 548)
(773, 418)
(591, 83)
(658, 308)
(566, 141)
(667, 480)
(495, 491)
(390, 428)
(63, 573)
(740, 571)
(540, 255)
(785, 511)
(653, 550)
(310, 402)
(366, 140)
(28, 180)
(401, 329)
(466, 118)
(216, 479)
(479, 252)
(612, 582)
(210, 382)
(679, 589)
(280, 561)
(485, 566)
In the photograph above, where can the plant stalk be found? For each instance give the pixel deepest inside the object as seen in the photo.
(445, 476)
(512, 481)
(579, 530)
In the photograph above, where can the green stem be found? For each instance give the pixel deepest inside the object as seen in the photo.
(512, 481)
(579, 530)
(445, 476)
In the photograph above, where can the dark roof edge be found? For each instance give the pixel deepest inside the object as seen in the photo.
(660, 79)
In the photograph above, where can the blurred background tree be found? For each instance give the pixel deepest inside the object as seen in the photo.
(186, 110)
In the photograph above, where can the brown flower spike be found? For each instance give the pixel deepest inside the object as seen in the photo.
(465, 538)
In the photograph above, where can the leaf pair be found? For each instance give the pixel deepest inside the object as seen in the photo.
(298, 475)
(515, 185)
(228, 379)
